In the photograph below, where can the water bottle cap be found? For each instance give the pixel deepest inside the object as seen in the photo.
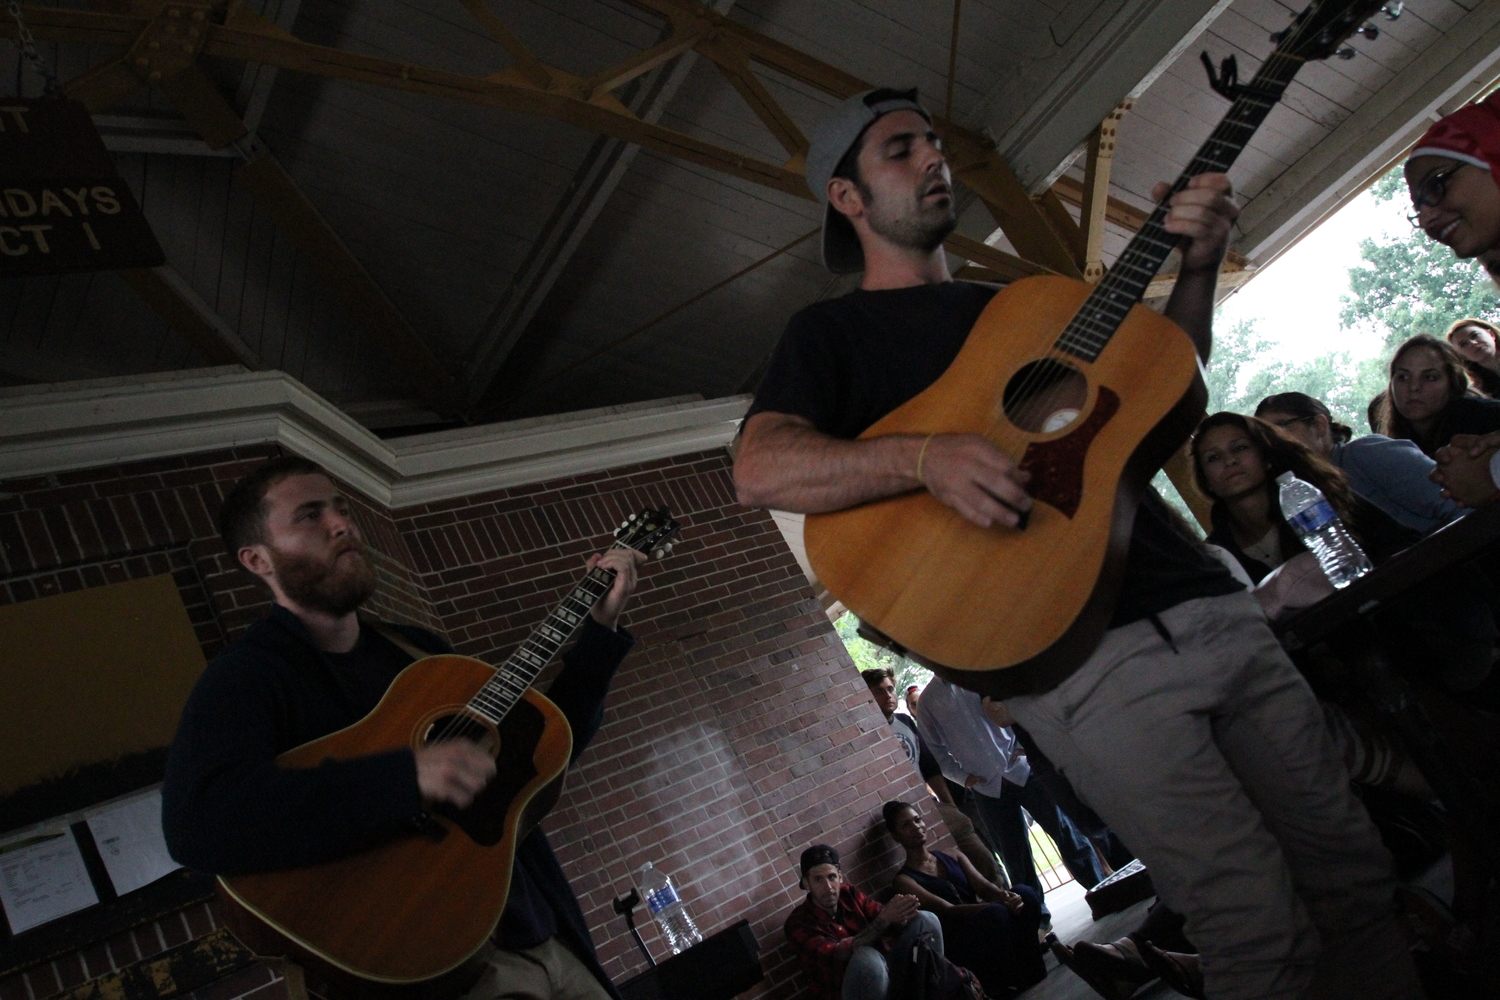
(1286, 477)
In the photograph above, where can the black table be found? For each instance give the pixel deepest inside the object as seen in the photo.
(1352, 619)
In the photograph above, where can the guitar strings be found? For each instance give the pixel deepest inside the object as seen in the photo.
(1090, 329)
(506, 688)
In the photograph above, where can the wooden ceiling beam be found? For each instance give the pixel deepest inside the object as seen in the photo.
(1032, 232)
(641, 63)
(735, 65)
(174, 300)
(1099, 159)
(526, 63)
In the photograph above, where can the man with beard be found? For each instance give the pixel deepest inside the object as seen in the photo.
(312, 667)
(1188, 729)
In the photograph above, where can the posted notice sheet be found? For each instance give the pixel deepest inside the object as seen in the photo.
(128, 835)
(42, 878)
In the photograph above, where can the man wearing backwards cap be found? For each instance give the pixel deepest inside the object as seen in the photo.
(1454, 178)
(842, 937)
(1187, 730)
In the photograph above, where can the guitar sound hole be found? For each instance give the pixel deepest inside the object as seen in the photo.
(1045, 396)
(460, 727)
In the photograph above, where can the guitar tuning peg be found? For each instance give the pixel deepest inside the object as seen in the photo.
(632, 517)
(1277, 36)
(1346, 53)
(1369, 31)
(669, 546)
(624, 525)
(1392, 10)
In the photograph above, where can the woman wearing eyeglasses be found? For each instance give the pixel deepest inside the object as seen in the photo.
(1452, 176)
(1391, 473)
(1475, 341)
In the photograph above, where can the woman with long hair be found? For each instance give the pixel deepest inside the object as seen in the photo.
(988, 930)
(1393, 474)
(1427, 399)
(1236, 460)
(1475, 340)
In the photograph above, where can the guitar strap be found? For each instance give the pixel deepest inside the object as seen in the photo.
(395, 638)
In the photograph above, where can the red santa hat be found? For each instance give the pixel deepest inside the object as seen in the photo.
(1471, 134)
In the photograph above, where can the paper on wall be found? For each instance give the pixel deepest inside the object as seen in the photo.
(128, 835)
(43, 878)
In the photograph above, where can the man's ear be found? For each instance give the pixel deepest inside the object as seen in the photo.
(256, 560)
(844, 196)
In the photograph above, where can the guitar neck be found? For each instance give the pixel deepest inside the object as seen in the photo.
(1112, 299)
(511, 680)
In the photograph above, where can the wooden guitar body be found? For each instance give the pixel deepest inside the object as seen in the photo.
(419, 906)
(1032, 602)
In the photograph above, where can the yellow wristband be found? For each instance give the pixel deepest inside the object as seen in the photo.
(921, 455)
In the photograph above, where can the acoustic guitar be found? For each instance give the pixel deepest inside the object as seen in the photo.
(1090, 393)
(421, 905)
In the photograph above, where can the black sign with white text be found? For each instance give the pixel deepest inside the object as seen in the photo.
(62, 206)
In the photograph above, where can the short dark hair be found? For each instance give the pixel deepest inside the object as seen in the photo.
(891, 812)
(242, 518)
(875, 675)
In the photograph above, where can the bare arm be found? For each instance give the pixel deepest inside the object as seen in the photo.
(784, 462)
(1202, 214)
(931, 902)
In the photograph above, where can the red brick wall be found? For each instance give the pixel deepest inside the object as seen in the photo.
(736, 734)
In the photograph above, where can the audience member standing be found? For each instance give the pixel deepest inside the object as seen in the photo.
(981, 756)
(882, 684)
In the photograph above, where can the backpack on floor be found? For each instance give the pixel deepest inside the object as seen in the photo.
(924, 974)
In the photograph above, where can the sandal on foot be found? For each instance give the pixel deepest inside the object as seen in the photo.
(1111, 976)
(1177, 970)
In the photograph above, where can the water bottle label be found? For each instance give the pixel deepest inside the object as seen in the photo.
(1313, 518)
(661, 899)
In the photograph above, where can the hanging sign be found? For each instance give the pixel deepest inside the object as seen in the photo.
(62, 206)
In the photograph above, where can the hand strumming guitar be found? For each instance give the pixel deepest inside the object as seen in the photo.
(456, 771)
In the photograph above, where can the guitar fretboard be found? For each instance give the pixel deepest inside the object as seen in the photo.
(1125, 284)
(511, 680)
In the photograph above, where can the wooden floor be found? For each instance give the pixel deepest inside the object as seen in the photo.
(1071, 923)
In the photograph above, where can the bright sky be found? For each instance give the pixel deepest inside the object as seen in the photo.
(1296, 298)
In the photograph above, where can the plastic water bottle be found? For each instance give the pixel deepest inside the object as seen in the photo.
(1312, 517)
(667, 909)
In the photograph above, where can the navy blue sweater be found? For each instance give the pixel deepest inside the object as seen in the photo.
(228, 809)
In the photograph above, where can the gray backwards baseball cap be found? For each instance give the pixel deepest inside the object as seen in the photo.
(834, 136)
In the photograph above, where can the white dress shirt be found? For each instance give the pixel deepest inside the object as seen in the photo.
(965, 741)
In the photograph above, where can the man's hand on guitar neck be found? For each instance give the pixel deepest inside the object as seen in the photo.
(626, 564)
(1202, 214)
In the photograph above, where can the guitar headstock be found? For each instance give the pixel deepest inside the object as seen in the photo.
(650, 531)
(1324, 25)
(1318, 32)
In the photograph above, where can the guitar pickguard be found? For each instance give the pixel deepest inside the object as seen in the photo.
(1056, 467)
(484, 819)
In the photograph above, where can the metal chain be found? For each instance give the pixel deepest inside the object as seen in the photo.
(27, 46)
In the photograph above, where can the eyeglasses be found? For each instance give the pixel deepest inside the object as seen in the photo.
(1289, 421)
(1430, 193)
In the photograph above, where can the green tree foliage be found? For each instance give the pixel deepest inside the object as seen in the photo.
(868, 656)
(1411, 284)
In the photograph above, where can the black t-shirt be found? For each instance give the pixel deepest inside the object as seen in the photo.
(844, 363)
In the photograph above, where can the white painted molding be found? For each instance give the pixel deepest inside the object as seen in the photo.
(80, 425)
(1456, 69)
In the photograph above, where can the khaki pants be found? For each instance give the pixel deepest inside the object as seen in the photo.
(1214, 764)
(968, 841)
(550, 971)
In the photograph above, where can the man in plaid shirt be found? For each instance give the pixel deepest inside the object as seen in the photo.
(842, 936)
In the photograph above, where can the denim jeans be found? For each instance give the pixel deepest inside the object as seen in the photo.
(868, 977)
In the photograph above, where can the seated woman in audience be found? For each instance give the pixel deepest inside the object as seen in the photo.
(986, 929)
(1428, 399)
(1475, 340)
(1392, 474)
(1236, 460)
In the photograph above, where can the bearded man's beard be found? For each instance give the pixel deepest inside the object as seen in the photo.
(335, 587)
(921, 227)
